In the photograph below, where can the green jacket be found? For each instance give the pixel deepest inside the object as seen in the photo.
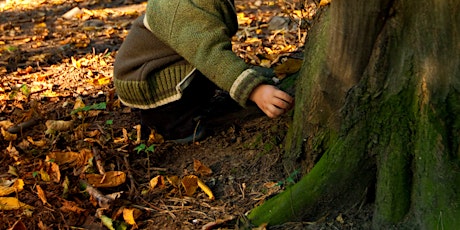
(173, 39)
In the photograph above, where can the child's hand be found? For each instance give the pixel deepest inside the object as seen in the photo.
(271, 100)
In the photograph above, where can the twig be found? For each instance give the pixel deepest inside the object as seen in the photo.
(24, 125)
(130, 176)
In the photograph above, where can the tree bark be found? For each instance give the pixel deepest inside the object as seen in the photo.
(378, 99)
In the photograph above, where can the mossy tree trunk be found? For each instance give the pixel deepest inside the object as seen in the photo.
(377, 106)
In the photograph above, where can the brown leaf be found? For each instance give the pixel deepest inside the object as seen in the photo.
(201, 168)
(157, 181)
(70, 206)
(111, 179)
(41, 194)
(190, 184)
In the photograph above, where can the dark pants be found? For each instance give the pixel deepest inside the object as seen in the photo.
(180, 118)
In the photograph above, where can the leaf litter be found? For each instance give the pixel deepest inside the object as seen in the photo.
(75, 155)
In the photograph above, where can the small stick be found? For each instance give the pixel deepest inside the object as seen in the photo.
(24, 125)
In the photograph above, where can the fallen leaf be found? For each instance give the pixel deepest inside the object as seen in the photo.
(53, 171)
(130, 214)
(6, 124)
(11, 150)
(41, 194)
(157, 181)
(106, 221)
(12, 203)
(112, 179)
(7, 136)
(190, 184)
(40, 143)
(70, 206)
(44, 175)
(72, 158)
(16, 186)
(173, 180)
(324, 2)
(205, 189)
(58, 125)
(290, 66)
(201, 168)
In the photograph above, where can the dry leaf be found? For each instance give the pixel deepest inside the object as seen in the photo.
(40, 143)
(7, 136)
(290, 66)
(44, 175)
(157, 181)
(53, 171)
(173, 180)
(58, 125)
(75, 63)
(201, 168)
(324, 2)
(72, 158)
(6, 124)
(70, 206)
(17, 186)
(12, 203)
(190, 184)
(41, 194)
(205, 189)
(112, 179)
(11, 150)
(130, 214)
(190, 181)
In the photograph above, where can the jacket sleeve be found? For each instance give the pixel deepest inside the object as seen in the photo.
(201, 31)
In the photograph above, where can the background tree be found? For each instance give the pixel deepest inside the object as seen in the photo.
(377, 109)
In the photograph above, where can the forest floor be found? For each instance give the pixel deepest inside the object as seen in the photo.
(71, 156)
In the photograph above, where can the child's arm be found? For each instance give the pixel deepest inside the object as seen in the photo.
(200, 31)
(272, 101)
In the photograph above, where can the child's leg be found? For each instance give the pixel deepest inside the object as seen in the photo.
(179, 119)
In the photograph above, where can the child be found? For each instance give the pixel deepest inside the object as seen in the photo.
(174, 59)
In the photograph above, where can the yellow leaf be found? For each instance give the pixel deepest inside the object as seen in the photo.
(7, 136)
(110, 179)
(6, 124)
(104, 80)
(130, 214)
(173, 180)
(75, 63)
(41, 194)
(324, 2)
(157, 181)
(12, 203)
(190, 184)
(290, 66)
(17, 186)
(44, 175)
(205, 189)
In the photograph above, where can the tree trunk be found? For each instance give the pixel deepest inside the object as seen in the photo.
(378, 100)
